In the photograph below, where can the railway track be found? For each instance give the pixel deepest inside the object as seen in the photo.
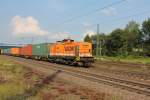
(115, 82)
(135, 74)
(114, 63)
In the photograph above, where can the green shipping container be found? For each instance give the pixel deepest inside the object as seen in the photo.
(6, 51)
(41, 50)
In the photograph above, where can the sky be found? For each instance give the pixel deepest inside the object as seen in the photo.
(36, 21)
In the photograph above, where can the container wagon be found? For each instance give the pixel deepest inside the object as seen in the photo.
(6, 51)
(72, 53)
(26, 51)
(41, 51)
(15, 51)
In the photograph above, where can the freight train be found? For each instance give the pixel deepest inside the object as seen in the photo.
(66, 51)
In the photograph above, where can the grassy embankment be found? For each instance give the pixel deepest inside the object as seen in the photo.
(12, 79)
(129, 59)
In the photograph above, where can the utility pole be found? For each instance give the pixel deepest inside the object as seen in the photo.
(100, 48)
(97, 41)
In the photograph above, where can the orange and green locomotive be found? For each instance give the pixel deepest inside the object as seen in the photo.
(72, 53)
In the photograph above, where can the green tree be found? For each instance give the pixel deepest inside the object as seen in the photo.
(128, 41)
(87, 39)
(114, 42)
(132, 38)
(146, 36)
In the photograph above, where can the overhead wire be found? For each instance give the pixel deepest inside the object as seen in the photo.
(109, 20)
(93, 11)
(89, 13)
(124, 17)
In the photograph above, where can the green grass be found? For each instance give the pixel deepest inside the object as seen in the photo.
(130, 59)
(12, 74)
(8, 90)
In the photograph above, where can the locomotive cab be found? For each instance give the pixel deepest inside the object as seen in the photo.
(83, 52)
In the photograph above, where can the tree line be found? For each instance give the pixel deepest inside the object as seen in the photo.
(134, 39)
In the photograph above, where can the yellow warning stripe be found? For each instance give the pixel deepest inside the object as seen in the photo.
(77, 58)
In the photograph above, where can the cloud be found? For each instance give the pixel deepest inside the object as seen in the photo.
(129, 0)
(89, 32)
(86, 24)
(63, 35)
(26, 27)
(59, 35)
(109, 11)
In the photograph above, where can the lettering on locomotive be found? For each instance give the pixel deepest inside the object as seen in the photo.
(69, 48)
